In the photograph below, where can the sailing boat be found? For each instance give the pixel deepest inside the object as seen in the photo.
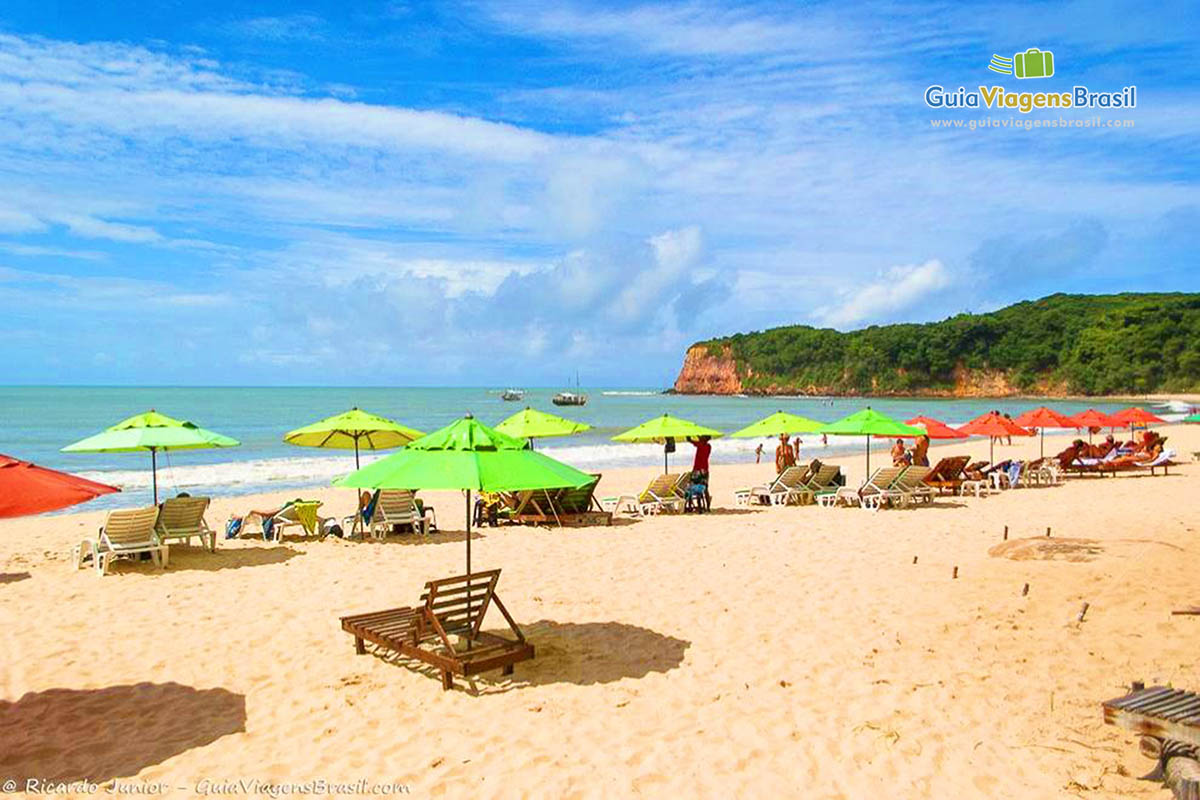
(575, 398)
(512, 395)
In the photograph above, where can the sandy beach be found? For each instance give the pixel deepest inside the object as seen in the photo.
(781, 652)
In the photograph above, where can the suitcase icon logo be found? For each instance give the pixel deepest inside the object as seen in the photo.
(1033, 63)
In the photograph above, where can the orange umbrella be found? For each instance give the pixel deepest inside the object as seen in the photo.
(1094, 419)
(936, 429)
(1042, 418)
(993, 424)
(1136, 416)
(26, 488)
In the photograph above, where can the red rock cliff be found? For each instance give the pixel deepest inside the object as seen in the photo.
(704, 373)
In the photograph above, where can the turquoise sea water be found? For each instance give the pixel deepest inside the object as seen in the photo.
(35, 422)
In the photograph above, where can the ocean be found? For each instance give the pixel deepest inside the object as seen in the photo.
(35, 422)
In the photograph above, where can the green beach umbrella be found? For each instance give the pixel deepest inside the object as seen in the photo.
(666, 427)
(467, 455)
(355, 429)
(868, 423)
(533, 424)
(777, 424)
(150, 431)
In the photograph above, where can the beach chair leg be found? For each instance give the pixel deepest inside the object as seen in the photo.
(102, 560)
(359, 647)
(447, 680)
(165, 556)
(508, 670)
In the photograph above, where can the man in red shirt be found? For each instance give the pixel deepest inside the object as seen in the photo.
(700, 466)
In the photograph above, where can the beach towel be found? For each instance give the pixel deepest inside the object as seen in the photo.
(1014, 474)
(306, 515)
(232, 527)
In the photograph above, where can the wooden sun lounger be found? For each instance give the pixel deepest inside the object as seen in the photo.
(567, 507)
(947, 475)
(1168, 721)
(450, 607)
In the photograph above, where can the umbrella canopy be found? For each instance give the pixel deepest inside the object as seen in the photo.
(533, 424)
(1094, 419)
(355, 429)
(150, 431)
(868, 423)
(777, 424)
(660, 429)
(467, 455)
(933, 428)
(1042, 418)
(26, 488)
(992, 425)
(1136, 416)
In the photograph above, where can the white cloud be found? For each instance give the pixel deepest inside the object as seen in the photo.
(893, 292)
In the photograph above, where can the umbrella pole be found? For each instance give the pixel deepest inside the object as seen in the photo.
(356, 453)
(1042, 449)
(868, 457)
(154, 473)
(666, 470)
(468, 533)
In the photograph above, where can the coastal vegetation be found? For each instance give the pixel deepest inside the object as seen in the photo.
(1061, 344)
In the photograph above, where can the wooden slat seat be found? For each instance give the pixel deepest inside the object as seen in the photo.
(449, 607)
(1158, 711)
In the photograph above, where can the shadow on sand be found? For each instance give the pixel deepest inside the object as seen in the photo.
(13, 577)
(185, 558)
(114, 732)
(583, 653)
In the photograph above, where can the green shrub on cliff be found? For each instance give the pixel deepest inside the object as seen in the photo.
(1104, 344)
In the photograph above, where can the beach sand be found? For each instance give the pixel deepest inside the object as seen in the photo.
(781, 652)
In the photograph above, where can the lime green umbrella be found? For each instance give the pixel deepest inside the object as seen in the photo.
(533, 424)
(666, 429)
(353, 429)
(777, 424)
(150, 431)
(467, 455)
(869, 423)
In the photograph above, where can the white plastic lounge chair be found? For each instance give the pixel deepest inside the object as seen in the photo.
(661, 494)
(869, 495)
(125, 533)
(909, 487)
(297, 513)
(182, 518)
(788, 487)
(396, 507)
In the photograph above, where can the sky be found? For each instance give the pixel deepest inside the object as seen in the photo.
(503, 193)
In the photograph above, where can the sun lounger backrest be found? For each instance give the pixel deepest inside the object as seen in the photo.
(130, 527)
(912, 478)
(395, 506)
(825, 477)
(883, 478)
(790, 478)
(459, 604)
(578, 500)
(660, 487)
(182, 513)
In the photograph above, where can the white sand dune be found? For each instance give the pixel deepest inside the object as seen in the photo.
(783, 652)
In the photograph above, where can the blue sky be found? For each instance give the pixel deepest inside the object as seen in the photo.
(488, 193)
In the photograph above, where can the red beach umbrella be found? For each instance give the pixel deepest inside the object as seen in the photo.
(1136, 416)
(993, 424)
(1094, 419)
(1042, 418)
(26, 488)
(936, 429)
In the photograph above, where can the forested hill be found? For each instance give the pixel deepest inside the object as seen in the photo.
(1062, 344)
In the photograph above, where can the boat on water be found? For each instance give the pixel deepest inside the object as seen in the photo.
(569, 399)
(512, 395)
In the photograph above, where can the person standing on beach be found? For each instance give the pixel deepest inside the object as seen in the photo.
(784, 457)
(920, 451)
(1008, 439)
(700, 465)
(796, 449)
(758, 454)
